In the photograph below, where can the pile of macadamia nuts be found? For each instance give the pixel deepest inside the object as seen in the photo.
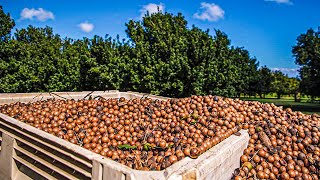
(149, 134)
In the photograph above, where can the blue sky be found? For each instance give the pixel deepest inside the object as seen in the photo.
(267, 28)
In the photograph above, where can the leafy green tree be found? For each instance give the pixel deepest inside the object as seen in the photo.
(86, 63)
(105, 68)
(66, 76)
(40, 62)
(245, 71)
(9, 65)
(294, 88)
(162, 57)
(226, 70)
(279, 84)
(170, 59)
(7, 51)
(6, 25)
(159, 61)
(37, 60)
(307, 54)
(263, 81)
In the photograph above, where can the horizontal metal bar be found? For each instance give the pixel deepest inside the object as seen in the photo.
(45, 163)
(67, 163)
(44, 143)
(0, 140)
(32, 167)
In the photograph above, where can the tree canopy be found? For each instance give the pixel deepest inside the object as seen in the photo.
(6, 24)
(307, 54)
(161, 56)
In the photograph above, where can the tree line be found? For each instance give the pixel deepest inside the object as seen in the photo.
(161, 56)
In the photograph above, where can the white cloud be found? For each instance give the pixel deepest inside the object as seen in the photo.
(210, 12)
(151, 8)
(292, 72)
(285, 69)
(86, 27)
(40, 14)
(281, 1)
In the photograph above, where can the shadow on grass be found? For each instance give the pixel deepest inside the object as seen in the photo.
(304, 107)
(307, 109)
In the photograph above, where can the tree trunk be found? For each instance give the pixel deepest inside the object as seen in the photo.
(278, 95)
(260, 95)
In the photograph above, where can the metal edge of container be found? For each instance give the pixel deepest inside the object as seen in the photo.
(175, 171)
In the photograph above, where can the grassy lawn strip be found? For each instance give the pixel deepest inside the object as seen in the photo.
(304, 107)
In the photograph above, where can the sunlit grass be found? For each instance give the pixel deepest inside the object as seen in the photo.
(288, 102)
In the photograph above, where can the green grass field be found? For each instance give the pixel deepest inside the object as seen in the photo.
(288, 102)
